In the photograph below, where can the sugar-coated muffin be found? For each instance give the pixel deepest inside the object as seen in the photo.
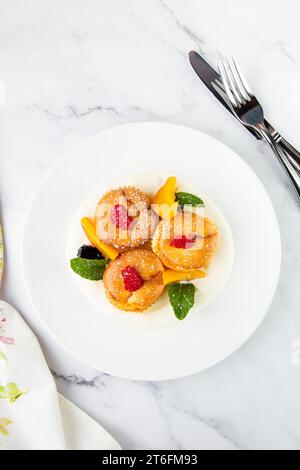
(133, 282)
(185, 243)
(124, 218)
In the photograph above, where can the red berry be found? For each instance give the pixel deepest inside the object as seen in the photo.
(132, 279)
(120, 218)
(183, 242)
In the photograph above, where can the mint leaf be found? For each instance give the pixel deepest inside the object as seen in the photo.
(185, 199)
(182, 298)
(92, 269)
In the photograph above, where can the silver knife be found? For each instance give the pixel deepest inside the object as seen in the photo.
(213, 82)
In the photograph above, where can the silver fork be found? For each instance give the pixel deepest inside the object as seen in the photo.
(250, 113)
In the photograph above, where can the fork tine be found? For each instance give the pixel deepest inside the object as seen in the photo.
(239, 83)
(219, 87)
(228, 91)
(242, 78)
(233, 85)
(219, 83)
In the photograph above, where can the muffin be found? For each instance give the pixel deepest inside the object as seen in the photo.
(124, 218)
(133, 282)
(185, 243)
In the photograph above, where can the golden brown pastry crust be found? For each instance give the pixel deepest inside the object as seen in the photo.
(190, 259)
(138, 205)
(150, 269)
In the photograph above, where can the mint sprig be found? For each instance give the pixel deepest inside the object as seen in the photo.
(92, 269)
(188, 199)
(182, 298)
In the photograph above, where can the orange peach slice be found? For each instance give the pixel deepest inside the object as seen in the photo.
(170, 276)
(90, 230)
(164, 200)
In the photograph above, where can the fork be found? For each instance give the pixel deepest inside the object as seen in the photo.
(249, 112)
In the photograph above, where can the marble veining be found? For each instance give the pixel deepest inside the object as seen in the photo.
(71, 69)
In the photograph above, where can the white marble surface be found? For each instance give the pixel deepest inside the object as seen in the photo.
(74, 67)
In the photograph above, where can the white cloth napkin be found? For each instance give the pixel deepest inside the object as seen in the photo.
(32, 414)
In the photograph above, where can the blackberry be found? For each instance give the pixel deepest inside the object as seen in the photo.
(89, 252)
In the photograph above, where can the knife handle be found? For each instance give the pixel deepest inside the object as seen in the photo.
(282, 156)
(293, 173)
(292, 154)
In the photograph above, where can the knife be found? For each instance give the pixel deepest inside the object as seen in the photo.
(213, 82)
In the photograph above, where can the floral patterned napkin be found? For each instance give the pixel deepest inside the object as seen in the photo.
(1, 254)
(32, 414)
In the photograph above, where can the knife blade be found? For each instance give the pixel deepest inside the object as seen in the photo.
(213, 82)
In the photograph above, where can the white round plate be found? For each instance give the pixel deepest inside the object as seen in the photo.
(152, 349)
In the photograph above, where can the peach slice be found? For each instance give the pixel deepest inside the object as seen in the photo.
(90, 230)
(164, 200)
(170, 276)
